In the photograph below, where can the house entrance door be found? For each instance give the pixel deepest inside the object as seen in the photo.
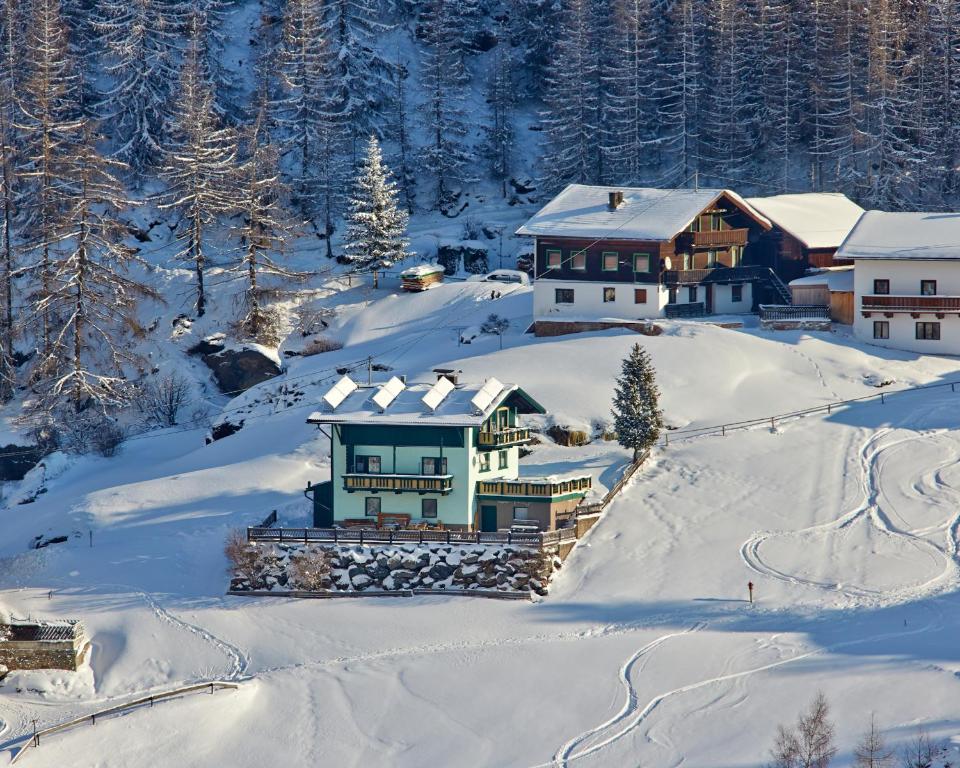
(488, 519)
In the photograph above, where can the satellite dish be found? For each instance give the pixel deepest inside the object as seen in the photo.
(668, 263)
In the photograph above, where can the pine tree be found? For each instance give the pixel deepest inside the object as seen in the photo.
(443, 75)
(199, 167)
(266, 225)
(139, 39)
(401, 134)
(308, 114)
(49, 120)
(571, 119)
(680, 90)
(90, 293)
(376, 230)
(871, 751)
(637, 417)
(499, 131)
(8, 160)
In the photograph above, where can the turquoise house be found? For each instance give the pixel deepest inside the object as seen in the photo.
(438, 454)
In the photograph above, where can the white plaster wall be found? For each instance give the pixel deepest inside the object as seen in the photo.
(723, 303)
(905, 276)
(589, 304)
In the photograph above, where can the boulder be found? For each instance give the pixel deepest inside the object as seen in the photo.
(470, 559)
(17, 460)
(361, 581)
(441, 571)
(475, 260)
(236, 370)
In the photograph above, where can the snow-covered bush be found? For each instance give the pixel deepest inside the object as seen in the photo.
(310, 569)
(495, 324)
(162, 398)
(320, 345)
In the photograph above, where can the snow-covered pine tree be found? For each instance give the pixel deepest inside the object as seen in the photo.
(680, 91)
(444, 155)
(8, 143)
(570, 119)
(629, 122)
(308, 114)
(533, 28)
(140, 42)
(637, 417)
(499, 133)
(777, 41)
(91, 294)
(266, 225)
(49, 123)
(401, 135)
(359, 76)
(199, 166)
(376, 234)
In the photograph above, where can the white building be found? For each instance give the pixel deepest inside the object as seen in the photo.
(907, 280)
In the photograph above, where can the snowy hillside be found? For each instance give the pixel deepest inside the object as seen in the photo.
(645, 650)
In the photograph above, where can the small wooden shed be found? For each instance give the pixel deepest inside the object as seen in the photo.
(827, 288)
(421, 277)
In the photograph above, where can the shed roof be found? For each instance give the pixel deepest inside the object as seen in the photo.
(43, 631)
(816, 219)
(407, 408)
(911, 236)
(646, 213)
(837, 279)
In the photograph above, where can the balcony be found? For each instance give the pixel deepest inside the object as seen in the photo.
(535, 488)
(503, 437)
(721, 238)
(713, 275)
(914, 305)
(356, 481)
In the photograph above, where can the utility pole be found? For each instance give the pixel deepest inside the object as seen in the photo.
(370, 371)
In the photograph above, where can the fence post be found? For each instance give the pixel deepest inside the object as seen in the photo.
(390, 540)
(666, 439)
(448, 536)
(305, 535)
(953, 387)
(211, 688)
(882, 401)
(772, 423)
(828, 408)
(361, 537)
(723, 430)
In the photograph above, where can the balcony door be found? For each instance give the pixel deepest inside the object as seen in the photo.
(433, 466)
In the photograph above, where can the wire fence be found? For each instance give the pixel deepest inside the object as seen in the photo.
(828, 408)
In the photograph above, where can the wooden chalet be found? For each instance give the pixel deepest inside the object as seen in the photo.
(807, 229)
(634, 253)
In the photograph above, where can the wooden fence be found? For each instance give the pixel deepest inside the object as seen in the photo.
(35, 738)
(363, 536)
(794, 312)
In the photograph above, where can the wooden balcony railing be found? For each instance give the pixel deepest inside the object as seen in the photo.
(720, 238)
(713, 275)
(543, 489)
(504, 437)
(912, 304)
(356, 481)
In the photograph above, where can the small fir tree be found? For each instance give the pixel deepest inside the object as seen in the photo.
(637, 416)
(376, 230)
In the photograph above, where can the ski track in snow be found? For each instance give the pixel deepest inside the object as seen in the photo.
(565, 755)
(878, 513)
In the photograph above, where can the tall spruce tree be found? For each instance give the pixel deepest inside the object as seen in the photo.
(8, 161)
(637, 417)
(376, 230)
(200, 165)
(499, 132)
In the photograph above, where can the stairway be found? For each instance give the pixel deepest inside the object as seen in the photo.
(772, 280)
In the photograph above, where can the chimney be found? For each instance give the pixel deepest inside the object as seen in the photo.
(616, 199)
(448, 373)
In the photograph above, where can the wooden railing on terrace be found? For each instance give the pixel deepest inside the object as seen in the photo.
(509, 436)
(915, 304)
(420, 483)
(720, 238)
(533, 488)
(714, 275)
(378, 536)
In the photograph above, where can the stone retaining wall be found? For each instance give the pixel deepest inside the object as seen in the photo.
(41, 655)
(436, 567)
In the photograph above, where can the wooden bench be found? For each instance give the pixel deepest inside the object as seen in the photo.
(392, 520)
(359, 522)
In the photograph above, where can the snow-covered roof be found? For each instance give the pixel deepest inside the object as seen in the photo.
(468, 405)
(421, 269)
(816, 219)
(837, 279)
(920, 236)
(645, 214)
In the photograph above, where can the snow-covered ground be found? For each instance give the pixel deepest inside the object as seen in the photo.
(646, 651)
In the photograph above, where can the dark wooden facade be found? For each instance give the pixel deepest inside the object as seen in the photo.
(790, 258)
(723, 235)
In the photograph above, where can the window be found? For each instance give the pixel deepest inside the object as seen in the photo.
(928, 331)
(736, 254)
(736, 293)
(503, 460)
(371, 506)
(484, 462)
(639, 295)
(711, 259)
(563, 296)
(641, 262)
(520, 513)
(881, 287)
(579, 260)
(692, 293)
(611, 261)
(367, 465)
(928, 287)
(881, 329)
(686, 261)
(716, 223)
(428, 507)
(431, 466)
(609, 295)
(554, 259)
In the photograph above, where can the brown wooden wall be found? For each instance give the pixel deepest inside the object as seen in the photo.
(841, 307)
